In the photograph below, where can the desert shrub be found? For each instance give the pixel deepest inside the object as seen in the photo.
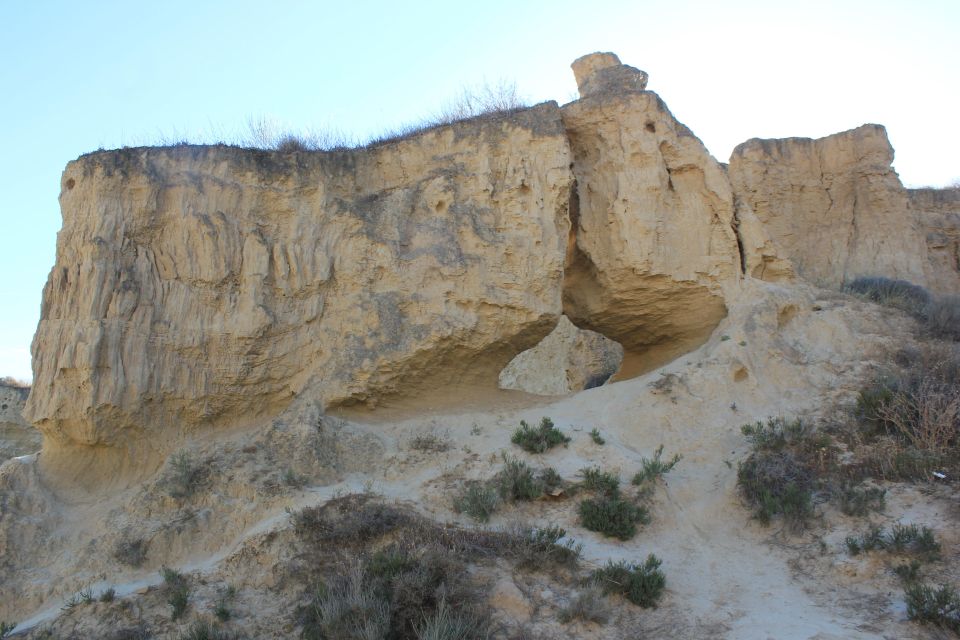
(293, 479)
(349, 608)
(222, 608)
(184, 475)
(176, 588)
(202, 630)
(430, 442)
(613, 516)
(943, 317)
(6, 628)
(909, 572)
(654, 468)
(550, 480)
(478, 500)
(892, 293)
(641, 584)
(596, 437)
(912, 539)
(589, 605)
(108, 595)
(605, 482)
(542, 546)
(517, 481)
(779, 476)
(348, 521)
(927, 605)
(131, 552)
(860, 501)
(538, 439)
(448, 624)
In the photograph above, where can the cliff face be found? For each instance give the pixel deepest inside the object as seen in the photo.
(938, 213)
(834, 206)
(17, 437)
(209, 285)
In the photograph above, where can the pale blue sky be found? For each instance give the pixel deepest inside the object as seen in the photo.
(76, 76)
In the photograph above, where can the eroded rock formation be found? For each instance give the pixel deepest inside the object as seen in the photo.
(833, 206)
(17, 436)
(569, 359)
(938, 213)
(653, 244)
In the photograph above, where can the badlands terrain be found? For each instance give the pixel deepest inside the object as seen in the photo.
(300, 393)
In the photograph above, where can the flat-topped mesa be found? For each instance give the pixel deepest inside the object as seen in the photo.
(603, 72)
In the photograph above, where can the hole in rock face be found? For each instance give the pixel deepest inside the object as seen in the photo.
(740, 374)
(3, 406)
(441, 207)
(71, 183)
(566, 361)
(649, 126)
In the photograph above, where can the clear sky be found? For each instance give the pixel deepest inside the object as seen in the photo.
(77, 76)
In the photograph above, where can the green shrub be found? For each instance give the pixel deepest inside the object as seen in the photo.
(222, 608)
(596, 479)
(940, 607)
(184, 475)
(860, 501)
(641, 584)
(538, 439)
(916, 540)
(943, 317)
(654, 468)
(349, 609)
(517, 481)
(613, 516)
(908, 573)
(6, 628)
(596, 437)
(542, 546)
(108, 595)
(176, 588)
(478, 500)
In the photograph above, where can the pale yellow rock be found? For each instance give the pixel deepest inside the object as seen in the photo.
(833, 206)
(567, 360)
(938, 213)
(203, 286)
(653, 245)
(17, 436)
(603, 72)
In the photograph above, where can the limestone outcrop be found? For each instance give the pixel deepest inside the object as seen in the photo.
(567, 360)
(938, 213)
(211, 285)
(17, 436)
(833, 207)
(653, 242)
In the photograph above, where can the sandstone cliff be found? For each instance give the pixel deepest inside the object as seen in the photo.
(206, 286)
(17, 436)
(938, 213)
(833, 206)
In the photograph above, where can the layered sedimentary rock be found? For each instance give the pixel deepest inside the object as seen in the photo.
(938, 213)
(833, 206)
(210, 285)
(653, 243)
(17, 436)
(567, 360)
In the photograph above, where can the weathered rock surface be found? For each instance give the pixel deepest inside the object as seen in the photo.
(567, 360)
(209, 285)
(17, 436)
(833, 206)
(938, 213)
(653, 244)
(603, 72)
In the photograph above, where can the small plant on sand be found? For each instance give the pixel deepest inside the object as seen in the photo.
(517, 481)
(613, 516)
(431, 442)
(641, 584)
(919, 541)
(478, 500)
(538, 439)
(184, 475)
(177, 590)
(860, 501)
(596, 437)
(448, 624)
(654, 468)
(131, 552)
(6, 628)
(108, 595)
(203, 630)
(937, 606)
(605, 482)
(222, 608)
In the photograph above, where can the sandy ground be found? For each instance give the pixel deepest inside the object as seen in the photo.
(796, 352)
